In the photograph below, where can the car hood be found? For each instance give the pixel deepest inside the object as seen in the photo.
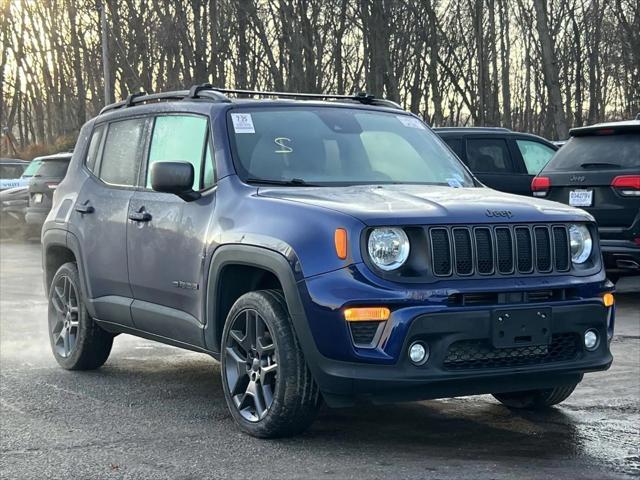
(427, 204)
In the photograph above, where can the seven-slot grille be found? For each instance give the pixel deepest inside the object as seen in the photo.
(505, 250)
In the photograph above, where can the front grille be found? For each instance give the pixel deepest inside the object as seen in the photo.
(504, 250)
(364, 333)
(478, 354)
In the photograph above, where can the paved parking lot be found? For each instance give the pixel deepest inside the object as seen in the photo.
(154, 411)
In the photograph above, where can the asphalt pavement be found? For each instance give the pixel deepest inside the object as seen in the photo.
(154, 411)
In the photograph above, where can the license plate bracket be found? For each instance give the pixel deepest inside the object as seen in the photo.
(581, 198)
(521, 327)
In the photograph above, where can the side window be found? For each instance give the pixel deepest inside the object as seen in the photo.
(455, 144)
(181, 138)
(488, 155)
(209, 168)
(535, 155)
(94, 145)
(122, 152)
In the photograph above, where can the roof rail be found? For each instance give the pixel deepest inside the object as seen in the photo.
(198, 91)
(361, 97)
(209, 92)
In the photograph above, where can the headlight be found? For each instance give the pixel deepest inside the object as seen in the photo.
(388, 248)
(581, 243)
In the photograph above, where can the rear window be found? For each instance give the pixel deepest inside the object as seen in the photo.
(53, 169)
(612, 151)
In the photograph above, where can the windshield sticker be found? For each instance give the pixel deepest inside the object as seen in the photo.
(242, 123)
(454, 182)
(410, 122)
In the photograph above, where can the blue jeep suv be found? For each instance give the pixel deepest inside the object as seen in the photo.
(323, 248)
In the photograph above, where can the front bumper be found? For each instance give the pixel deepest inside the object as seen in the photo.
(346, 373)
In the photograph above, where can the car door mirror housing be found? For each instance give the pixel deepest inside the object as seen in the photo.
(174, 177)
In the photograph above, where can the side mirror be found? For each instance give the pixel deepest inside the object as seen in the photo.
(174, 177)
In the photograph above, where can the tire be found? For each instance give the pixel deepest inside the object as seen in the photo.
(266, 401)
(77, 342)
(535, 399)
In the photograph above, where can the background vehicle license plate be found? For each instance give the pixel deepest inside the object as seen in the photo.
(580, 198)
(37, 198)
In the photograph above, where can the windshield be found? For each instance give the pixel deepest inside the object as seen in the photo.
(329, 146)
(601, 151)
(31, 169)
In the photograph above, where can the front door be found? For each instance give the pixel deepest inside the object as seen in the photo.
(166, 238)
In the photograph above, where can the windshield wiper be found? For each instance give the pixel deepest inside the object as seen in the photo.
(294, 181)
(599, 165)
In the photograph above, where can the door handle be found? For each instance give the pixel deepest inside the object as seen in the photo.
(85, 208)
(140, 216)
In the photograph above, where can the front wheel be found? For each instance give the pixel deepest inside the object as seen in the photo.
(536, 399)
(77, 342)
(267, 384)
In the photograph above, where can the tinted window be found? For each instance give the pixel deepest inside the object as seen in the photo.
(606, 151)
(53, 169)
(327, 145)
(488, 155)
(94, 145)
(535, 155)
(121, 156)
(455, 144)
(11, 171)
(179, 138)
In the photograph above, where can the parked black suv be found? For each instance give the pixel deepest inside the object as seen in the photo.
(50, 173)
(598, 170)
(500, 158)
(330, 250)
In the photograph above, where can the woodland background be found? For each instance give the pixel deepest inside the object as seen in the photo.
(540, 66)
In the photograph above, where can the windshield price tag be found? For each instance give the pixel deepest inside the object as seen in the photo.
(410, 122)
(242, 123)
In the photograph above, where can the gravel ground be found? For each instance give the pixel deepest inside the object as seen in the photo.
(154, 411)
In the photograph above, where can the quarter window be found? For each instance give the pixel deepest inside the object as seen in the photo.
(535, 155)
(488, 155)
(182, 138)
(122, 152)
(94, 145)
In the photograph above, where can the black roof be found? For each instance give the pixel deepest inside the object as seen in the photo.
(15, 161)
(473, 130)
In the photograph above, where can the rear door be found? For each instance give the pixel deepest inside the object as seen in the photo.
(492, 160)
(167, 236)
(534, 155)
(584, 173)
(100, 214)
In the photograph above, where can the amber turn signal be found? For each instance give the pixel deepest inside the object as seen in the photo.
(607, 299)
(366, 314)
(340, 239)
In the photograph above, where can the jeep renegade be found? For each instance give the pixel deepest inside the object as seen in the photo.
(323, 248)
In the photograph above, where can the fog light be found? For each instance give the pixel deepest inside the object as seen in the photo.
(419, 353)
(591, 340)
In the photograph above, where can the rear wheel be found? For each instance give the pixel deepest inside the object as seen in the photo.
(267, 384)
(535, 399)
(76, 341)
